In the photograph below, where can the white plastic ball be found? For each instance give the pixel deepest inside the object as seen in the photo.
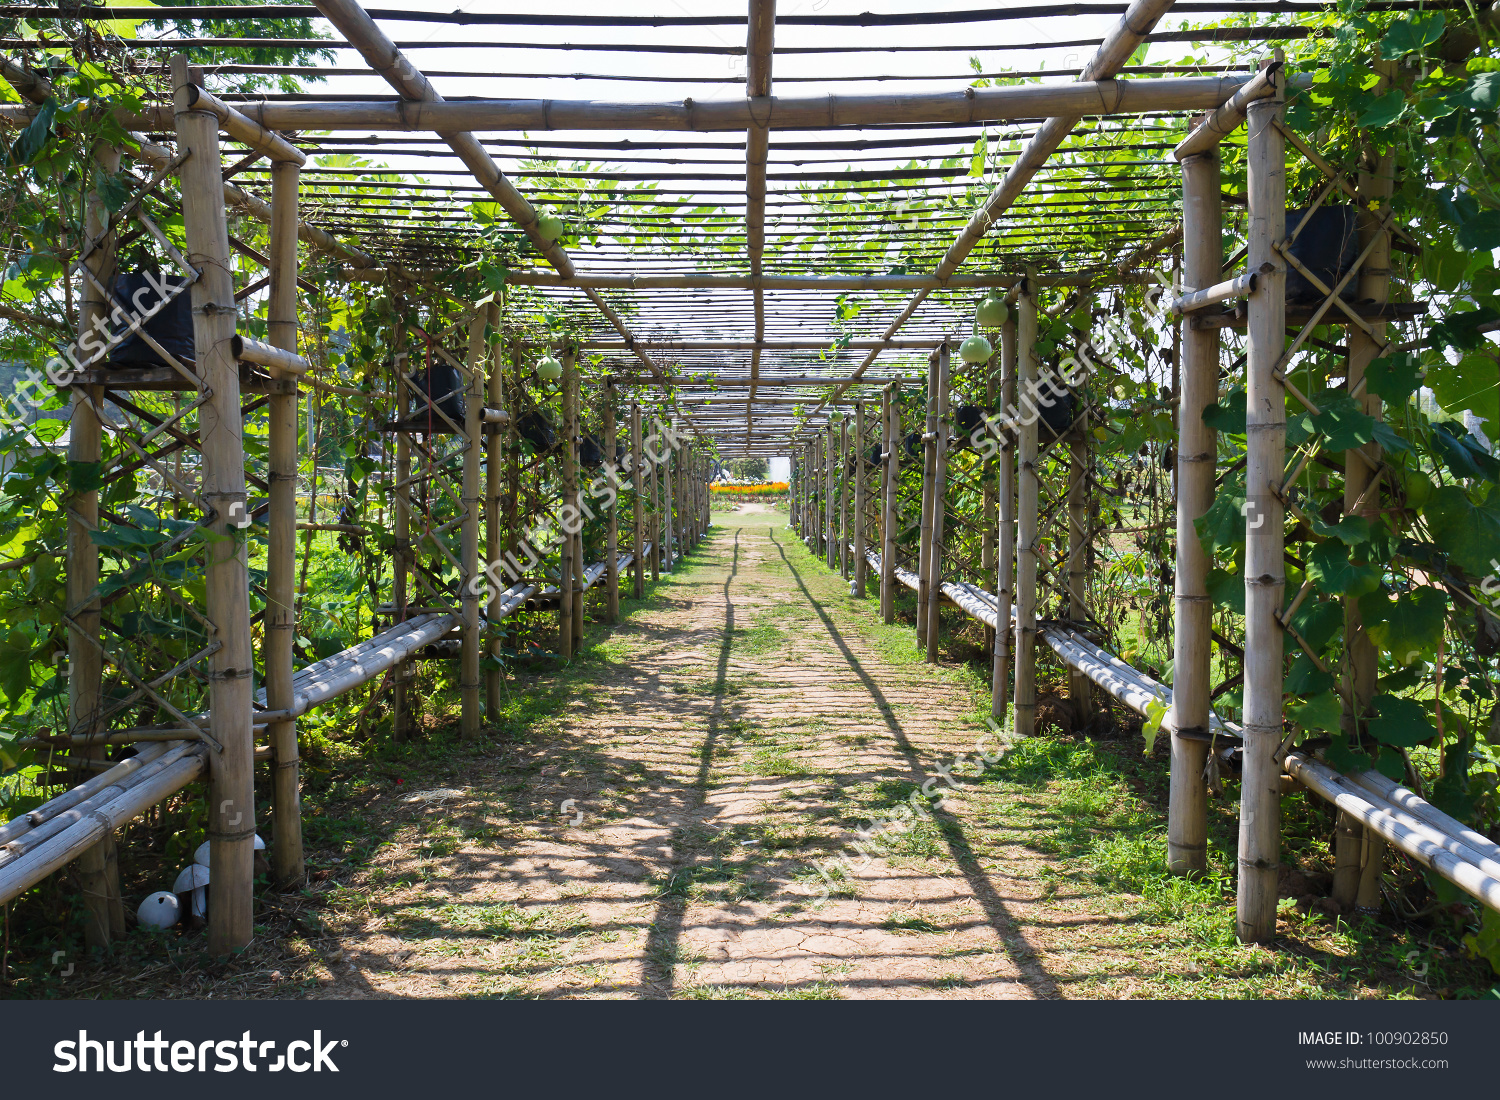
(160, 911)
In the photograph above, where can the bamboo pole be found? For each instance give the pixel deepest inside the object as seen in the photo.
(469, 680)
(929, 478)
(569, 491)
(830, 498)
(612, 551)
(1361, 669)
(861, 501)
(1265, 580)
(1197, 454)
(98, 869)
(1027, 492)
(670, 528)
(1080, 687)
(989, 518)
(1005, 548)
(843, 478)
(891, 497)
(494, 533)
(231, 804)
(401, 552)
(638, 516)
(656, 527)
(287, 861)
(934, 607)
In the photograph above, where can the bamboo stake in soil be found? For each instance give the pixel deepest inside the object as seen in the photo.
(469, 680)
(231, 803)
(1005, 549)
(565, 583)
(830, 499)
(929, 476)
(98, 870)
(1362, 667)
(861, 507)
(1197, 452)
(612, 551)
(889, 495)
(287, 861)
(934, 607)
(1265, 580)
(1027, 491)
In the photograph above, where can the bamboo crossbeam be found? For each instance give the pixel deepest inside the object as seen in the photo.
(1241, 286)
(246, 130)
(1230, 115)
(250, 350)
(708, 280)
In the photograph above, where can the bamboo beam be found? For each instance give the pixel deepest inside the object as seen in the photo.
(1197, 454)
(705, 280)
(1005, 548)
(761, 30)
(231, 807)
(280, 623)
(248, 131)
(1027, 494)
(1265, 581)
(98, 870)
(1230, 115)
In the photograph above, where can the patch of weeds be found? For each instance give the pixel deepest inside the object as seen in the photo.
(817, 991)
(912, 922)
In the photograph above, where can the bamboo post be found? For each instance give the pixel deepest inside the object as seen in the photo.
(1005, 548)
(929, 478)
(830, 500)
(287, 861)
(494, 533)
(892, 502)
(1027, 492)
(580, 562)
(843, 478)
(231, 802)
(989, 510)
(934, 607)
(98, 869)
(861, 504)
(612, 549)
(401, 554)
(1197, 453)
(1361, 669)
(637, 476)
(656, 528)
(669, 534)
(1265, 580)
(1080, 687)
(569, 490)
(469, 680)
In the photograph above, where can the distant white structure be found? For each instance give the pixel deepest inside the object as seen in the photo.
(781, 470)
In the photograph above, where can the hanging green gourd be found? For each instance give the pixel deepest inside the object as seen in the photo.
(976, 349)
(548, 369)
(992, 312)
(550, 227)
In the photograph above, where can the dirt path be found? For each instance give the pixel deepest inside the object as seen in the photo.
(733, 733)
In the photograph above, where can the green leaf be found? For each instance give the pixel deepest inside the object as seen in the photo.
(1344, 759)
(33, 139)
(1351, 530)
(1155, 712)
(1469, 535)
(1306, 678)
(1407, 628)
(1402, 723)
(1227, 415)
(1344, 423)
(1383, 110)
(85, 477)
(1227, 590)
(1411, 35)
(1480, 233)
(1394, 377)
(1485, 944)
(1319, 622)
(15, 665)
(119, 537)
(1322, 712)
(1390, 763)
(1223, 525)
(1463, 455)
(1334, 574)
(1386, 436)
(1481, 93)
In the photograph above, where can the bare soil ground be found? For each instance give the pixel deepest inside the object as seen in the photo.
(736, 735)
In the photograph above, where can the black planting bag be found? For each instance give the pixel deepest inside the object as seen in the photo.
(439, 387)
(535, 429)
(591, 452)
(873, 455)
(172, 328)
(913, 442)
(1326, 246)
(968, 419)
(1059, 415)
